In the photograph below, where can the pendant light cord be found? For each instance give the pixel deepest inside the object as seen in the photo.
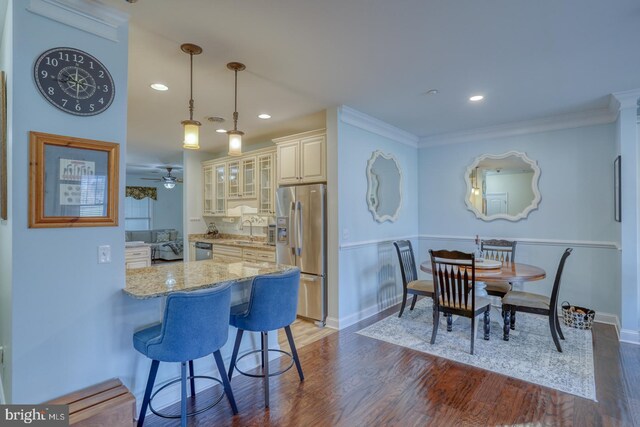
(191, 90)
(235, 103)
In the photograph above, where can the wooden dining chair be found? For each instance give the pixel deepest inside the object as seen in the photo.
(454, 278)
(503, 251)
(410, 283)
(538, 304)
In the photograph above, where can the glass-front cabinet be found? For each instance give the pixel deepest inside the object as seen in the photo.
(233, 185)
(207, 205)
(220, 200)
(248, 178)
(266, 191)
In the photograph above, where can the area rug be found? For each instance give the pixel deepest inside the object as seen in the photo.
(529, 355)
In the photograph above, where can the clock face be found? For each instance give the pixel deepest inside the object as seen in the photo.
(74, 81)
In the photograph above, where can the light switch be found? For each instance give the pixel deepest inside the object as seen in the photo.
(104, 254)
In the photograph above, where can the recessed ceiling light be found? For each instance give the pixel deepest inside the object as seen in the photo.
(476, 98)
(264, 116)
(221, 130)
(159, 86)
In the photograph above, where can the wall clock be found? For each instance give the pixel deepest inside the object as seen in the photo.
(74, 81)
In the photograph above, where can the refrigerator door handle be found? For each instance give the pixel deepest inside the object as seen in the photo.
(299, 230)
(292, 213)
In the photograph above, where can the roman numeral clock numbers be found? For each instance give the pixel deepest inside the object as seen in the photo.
(74, 81)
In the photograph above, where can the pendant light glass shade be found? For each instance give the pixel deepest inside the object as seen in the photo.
(191, 127)
(235, 142)
(169, 185)
(191, 134)
(235, 136)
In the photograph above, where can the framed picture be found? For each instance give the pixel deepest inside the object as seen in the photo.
(3, 146)
(617, 195)
(73, 182)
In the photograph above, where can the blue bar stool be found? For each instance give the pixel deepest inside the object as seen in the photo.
(194, 325)
(272, 305)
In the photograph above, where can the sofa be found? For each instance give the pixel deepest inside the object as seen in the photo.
(165, 243)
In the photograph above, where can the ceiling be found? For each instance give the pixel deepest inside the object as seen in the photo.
(530, 59)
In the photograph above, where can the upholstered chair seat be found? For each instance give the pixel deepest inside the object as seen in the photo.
(421, 285)
(526, 299)
(498, 288)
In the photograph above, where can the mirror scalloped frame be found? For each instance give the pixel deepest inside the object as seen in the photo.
(372, 187)
(534, 186)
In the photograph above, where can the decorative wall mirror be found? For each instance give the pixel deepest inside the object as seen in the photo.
(503, 186)
(384, 190)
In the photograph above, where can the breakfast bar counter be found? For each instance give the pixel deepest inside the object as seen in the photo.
(163, 279)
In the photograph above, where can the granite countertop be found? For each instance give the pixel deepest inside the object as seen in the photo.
(235, 241)
(163, 279)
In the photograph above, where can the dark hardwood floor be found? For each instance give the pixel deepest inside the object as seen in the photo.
(351, 380)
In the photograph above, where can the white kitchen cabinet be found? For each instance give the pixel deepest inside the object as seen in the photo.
(220, 194)
(233, 184)
(208, 190)
(266, 183)
(302, 158)
(257, 255)
(137, 256)
(248, 178)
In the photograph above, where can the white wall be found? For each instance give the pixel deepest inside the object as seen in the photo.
(167, 210)
(368, 269)
(70, 325)
(576, 209)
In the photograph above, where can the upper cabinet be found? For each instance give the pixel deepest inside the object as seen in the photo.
(302, 158)
(250, 179)
(266, 173)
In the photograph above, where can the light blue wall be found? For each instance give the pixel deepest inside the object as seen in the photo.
(576, 184)
(368, 274)
(167, 210)
(70, 319)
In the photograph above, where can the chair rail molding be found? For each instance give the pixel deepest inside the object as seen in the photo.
(363, 243)
(91, 16)
(594, 244)
(371, 124)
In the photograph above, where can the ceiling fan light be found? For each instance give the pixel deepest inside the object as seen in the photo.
(235, 142)
(191, 134)
(169, 185)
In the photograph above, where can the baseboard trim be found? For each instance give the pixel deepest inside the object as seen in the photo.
(630, 336)
(365, 313)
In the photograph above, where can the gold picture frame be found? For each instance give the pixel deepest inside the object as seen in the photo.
(73, 182)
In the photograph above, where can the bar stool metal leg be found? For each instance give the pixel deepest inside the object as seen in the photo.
(225, 381)
(192, 379)
(147, 393)
(265, 356)
(292, 345)
(234, 355)
(183, 393)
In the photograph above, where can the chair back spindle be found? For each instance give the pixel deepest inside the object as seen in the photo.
(454, 279)
(499, 250)
(407, 261)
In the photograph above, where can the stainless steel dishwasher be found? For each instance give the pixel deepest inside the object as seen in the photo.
(204, 251)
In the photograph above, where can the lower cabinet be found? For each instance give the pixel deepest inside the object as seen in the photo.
(137, 257)
(224, 253)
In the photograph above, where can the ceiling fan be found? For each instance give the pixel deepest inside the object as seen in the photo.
(169, 180)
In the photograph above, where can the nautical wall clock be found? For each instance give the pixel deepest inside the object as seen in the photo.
(74, 81)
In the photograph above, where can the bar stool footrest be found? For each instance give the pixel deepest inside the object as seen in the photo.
(189, 414)
(266, 361)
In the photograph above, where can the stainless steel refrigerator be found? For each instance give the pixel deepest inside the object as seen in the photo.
(301, 241)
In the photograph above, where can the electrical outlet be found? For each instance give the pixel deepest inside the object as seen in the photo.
(104, 254)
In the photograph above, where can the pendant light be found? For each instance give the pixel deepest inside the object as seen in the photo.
(235, 136)
(191, 127)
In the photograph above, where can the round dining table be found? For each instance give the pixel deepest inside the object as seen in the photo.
(511, 272)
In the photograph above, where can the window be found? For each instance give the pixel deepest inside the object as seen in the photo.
(137, 213)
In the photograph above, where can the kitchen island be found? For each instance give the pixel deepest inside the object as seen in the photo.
(163, 279)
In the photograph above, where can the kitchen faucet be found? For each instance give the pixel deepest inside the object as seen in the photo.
(250, 228)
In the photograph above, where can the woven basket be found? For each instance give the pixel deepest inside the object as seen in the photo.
(575, 319)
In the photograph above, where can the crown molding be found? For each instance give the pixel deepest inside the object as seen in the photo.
(363, 121)
(91, 16)
(565, 121)
(624, 99)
